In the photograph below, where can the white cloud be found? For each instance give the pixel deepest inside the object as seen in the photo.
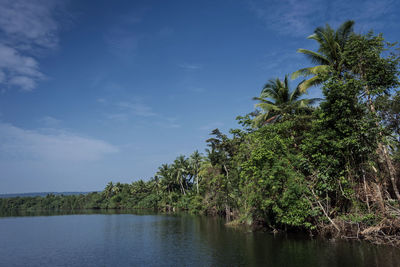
(54, 146)
(18, 70)
(29, 21)
(25, 26)
(24, 82)
(49, 121)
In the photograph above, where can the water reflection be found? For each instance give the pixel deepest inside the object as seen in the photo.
(143, 239)
(23, 213)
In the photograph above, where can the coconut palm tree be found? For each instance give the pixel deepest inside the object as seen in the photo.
(195, 161)
(108, 191)
(156, 184)
(167, 179)
(329, 54)
(181, 167)
(276, 100)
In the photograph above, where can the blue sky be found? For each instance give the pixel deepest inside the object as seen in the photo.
(94, 91)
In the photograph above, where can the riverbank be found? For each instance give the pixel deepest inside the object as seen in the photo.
(385, 232)
(353, 228)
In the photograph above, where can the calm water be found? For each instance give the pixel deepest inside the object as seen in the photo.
(167, 240)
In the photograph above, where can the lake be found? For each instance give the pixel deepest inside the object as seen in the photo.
(169, 240)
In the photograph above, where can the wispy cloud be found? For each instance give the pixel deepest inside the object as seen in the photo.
(288, 16)
(60, 146)
(137, 108)
(30, 22)
(121, 117)
(123, 111)
(191, 66)
(300, 18)
(169, 123)
(49, 121)
(18, 70)
(25, 27)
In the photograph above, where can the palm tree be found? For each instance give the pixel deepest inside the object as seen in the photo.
(195, 161)
(108, 191)
(329, 54)
(167, 179)
(181, 170)
(276, 100)
(156, 184)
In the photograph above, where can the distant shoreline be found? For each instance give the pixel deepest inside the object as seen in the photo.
(43, 194)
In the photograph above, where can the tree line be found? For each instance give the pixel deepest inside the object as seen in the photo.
(328, 166)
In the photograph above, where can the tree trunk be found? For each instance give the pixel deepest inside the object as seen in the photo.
(382, 150)
(227, 212)
(227, 173)
(365, 189)
(380, 198)
(197, 183)
(179, 177)
(391, 169)
(324, 211)
(182, 188)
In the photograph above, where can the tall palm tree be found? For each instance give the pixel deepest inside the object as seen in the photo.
(167, 179)
(195, 161)
(277, 100)
(329, 54)
(181, 167)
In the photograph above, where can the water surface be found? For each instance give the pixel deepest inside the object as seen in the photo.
(168, 240)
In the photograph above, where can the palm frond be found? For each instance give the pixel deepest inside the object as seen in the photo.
(315, 57)
(263, 100)
(308, 102)
(301, 73)
(267, 106)
(317, 70)
(314, 81)
(344, 31)
(296, 92)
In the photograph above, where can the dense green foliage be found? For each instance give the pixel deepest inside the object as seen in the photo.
(291, 165)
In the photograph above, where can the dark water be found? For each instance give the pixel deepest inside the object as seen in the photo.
(168, 240)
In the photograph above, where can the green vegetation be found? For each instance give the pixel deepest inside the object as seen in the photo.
(330, 169)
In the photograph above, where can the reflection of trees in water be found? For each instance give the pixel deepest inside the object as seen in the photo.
(185, 240)
(232, 247)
